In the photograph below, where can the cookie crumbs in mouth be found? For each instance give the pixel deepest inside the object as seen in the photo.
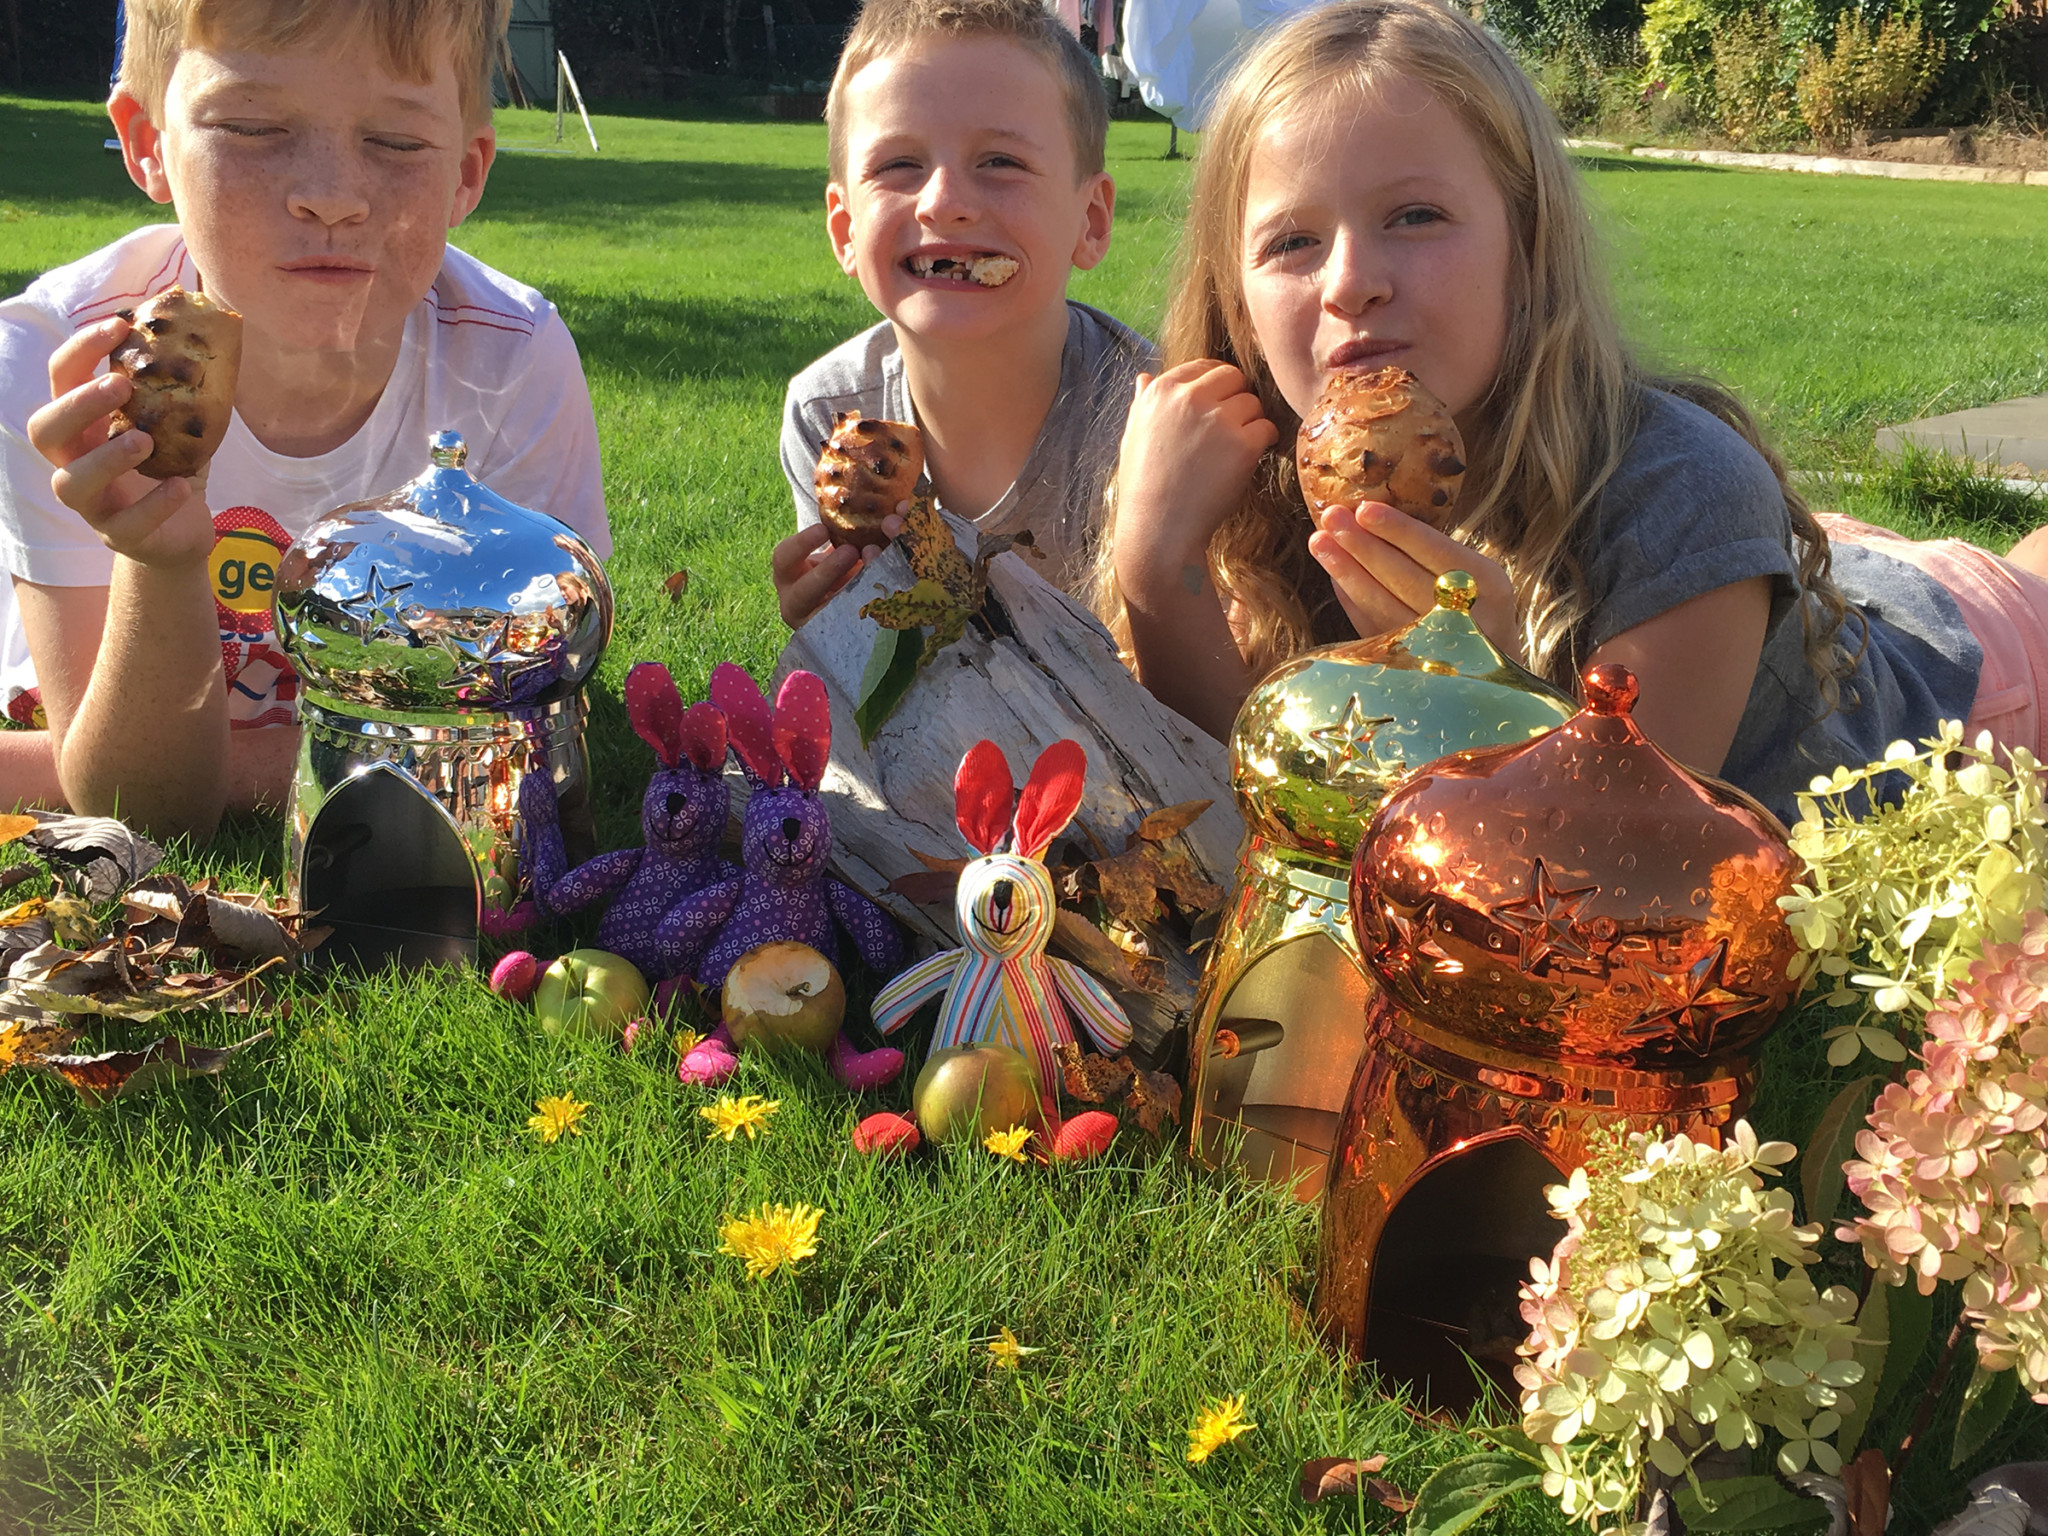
(988, 271)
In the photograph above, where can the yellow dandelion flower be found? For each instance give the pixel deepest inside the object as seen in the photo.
(771, 1237)
(1216, 1426)
(1008, 1143)
(557, 1116)
(1008, 1352)
(729, 1116)
(687, 1040)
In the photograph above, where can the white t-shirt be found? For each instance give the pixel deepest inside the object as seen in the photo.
(482, 354)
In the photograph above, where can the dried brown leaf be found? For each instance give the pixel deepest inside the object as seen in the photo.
(23, 1042)
(1388, 1495)
(1090, 1078)
(1334, 1477)
(115, 1074)
(234, 929)
(1155, 1100)
(12, 827)
(926, 887)
(1090, 946)
(1172, 820)
(675, 584)
(99, 854)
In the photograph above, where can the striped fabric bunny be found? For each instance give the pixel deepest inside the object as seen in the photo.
(1001, 985)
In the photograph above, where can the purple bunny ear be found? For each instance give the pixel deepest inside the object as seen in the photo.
(747, 722)
(703, 736)
(803, 728)
(656, 710)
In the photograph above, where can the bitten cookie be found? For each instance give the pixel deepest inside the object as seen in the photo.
(1380, 436)
(866, 469)
(183, 353)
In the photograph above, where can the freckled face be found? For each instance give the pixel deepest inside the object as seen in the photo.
(960, 161)
(1375, 237)
(314, 188)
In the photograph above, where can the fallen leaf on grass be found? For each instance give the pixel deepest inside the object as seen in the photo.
(98, 853)
(138, 1004)
(675, 584)
(12, 827)
(1155, 1100)
(116, 1074)
(24, 1041)
(1329, 1477)
(1091, 1078)
(241, 931)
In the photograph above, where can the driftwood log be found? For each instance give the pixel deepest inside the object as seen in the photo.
(1034, 667)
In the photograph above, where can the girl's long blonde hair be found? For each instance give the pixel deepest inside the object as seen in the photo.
(1565, 403)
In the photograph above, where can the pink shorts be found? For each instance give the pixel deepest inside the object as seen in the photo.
(2006, 609)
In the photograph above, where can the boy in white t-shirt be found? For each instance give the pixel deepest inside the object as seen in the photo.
(316, 168)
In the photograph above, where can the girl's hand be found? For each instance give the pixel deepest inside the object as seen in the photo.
(1194, 436)
(1385, 564)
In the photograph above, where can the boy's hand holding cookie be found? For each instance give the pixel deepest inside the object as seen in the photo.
(153, 523)
(1195, 435)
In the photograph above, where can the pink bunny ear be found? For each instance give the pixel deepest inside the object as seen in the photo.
(747, 722)
(656, 710)
(703, 736)
(982, 795)
(1051, 796)
(803, 728)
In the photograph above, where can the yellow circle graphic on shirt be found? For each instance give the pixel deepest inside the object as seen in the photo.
(243, 567)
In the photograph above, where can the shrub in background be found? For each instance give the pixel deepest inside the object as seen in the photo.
(1873, 77)
(1754, 97)
(1678, 47)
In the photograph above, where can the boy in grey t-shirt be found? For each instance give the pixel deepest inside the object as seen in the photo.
(1059, 491)
(967, 148)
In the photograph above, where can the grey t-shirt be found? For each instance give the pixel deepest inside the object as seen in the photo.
(1059, 494)
(1694, 507)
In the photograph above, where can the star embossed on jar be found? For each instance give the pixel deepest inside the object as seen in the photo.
(1543, 920)
(1687, 1005)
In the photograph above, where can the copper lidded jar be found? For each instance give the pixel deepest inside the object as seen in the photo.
(1566, 931)
(442, 635)
(1280, 1017)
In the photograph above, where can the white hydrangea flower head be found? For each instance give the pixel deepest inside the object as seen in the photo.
(1675, 1313)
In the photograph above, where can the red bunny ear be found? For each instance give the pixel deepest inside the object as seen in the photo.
(1051, 796)
(703, 736)
(656, 710)
(982, 795)
(803, 728)
(747, 722)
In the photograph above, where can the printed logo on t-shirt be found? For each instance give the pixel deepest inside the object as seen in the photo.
(248, 546)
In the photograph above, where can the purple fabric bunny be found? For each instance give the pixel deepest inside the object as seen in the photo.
(682, 817)
(786, 843)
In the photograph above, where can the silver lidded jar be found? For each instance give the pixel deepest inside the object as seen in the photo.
(442, 636)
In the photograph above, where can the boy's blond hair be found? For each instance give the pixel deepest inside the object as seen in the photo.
(1564, 405)
(411, 33)
(886, 27)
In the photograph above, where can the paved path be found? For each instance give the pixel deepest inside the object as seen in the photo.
(2010, 432)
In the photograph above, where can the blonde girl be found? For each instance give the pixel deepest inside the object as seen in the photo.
(1380, 185)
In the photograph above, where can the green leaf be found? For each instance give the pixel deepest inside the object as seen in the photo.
(1459, 1493)
(1873, 1346)
(892, 668)
(1986, 1402)
(1733, 1504)
(1911, 1316)
(1832, 1143)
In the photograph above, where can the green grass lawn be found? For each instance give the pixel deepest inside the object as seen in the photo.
(344, 1291)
